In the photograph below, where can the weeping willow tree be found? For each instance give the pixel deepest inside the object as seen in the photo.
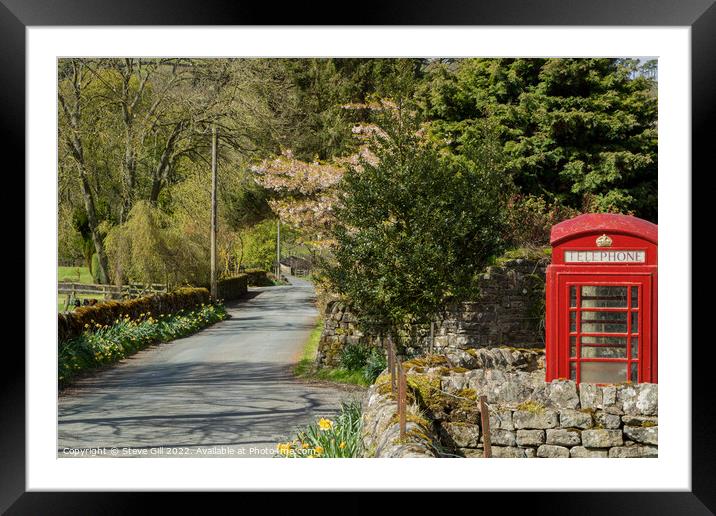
(147, 248)
(170, 244)
(133, 247)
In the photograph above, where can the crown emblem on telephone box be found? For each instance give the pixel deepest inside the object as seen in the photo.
(604, 241)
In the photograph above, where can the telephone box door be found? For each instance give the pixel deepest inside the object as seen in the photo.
(605, 328)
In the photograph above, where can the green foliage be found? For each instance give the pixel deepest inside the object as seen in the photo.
(259, 245)
(414, 229)
(229, 289)
(322, 128)
(325, 438)
(374, 365)
(354, 356)
(532, 253)
(105, 344)
(135, 248)
(324, 86)
(94, 270)
(258, 278)
(581, 132)
(150, 248)
(70, 242)
(80, 224)
(559, 135)
(530, 219)
(244, 202)
(306, 368)
(370, 361)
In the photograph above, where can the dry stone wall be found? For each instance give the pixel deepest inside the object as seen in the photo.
(529, 418)
(381, 430)
(340, 329)
(507, 310)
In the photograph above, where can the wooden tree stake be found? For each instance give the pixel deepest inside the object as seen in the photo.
(485, 419)
(402, 398)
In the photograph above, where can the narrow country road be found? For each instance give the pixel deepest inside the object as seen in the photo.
(227, 390)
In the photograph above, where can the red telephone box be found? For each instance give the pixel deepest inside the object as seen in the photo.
(601, 306)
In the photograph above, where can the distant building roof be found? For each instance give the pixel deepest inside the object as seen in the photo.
(296, 262)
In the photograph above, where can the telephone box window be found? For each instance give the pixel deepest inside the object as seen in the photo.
(603, 347)
(603, 372)
(601, 320)
(604, 297)
(604, 322)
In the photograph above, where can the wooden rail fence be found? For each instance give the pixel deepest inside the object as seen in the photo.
(131, 290)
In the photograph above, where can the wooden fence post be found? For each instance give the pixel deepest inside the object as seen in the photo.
(402, 398)
(392, 363)
(485, 419)
(432, 336)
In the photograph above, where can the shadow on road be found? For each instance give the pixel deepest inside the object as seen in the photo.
(230, 405)
(228, 385)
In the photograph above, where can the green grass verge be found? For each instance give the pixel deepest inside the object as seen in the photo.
(310, 349)
(306, 366)
(74, 274)
(340, 375)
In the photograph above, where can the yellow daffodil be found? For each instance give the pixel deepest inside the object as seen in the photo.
(325, 424)
(318, 450)
(284, 448)
(342, 445)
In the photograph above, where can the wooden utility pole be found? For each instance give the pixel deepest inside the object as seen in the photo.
(214, 159)
(278, 249)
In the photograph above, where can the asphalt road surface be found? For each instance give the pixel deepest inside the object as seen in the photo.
(225, 391)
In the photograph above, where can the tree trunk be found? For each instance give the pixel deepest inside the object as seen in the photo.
(93, 223)
(241, 255)
(128, 172)
(73, 140)
(160, 176)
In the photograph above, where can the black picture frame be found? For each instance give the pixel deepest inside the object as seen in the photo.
(700, 15)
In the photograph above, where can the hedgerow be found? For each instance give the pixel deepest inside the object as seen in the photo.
(72, 324)
(104, 344)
